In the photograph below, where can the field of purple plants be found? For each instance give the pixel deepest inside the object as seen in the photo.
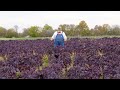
(81, 58)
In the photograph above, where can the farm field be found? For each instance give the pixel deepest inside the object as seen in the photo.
(81, 58)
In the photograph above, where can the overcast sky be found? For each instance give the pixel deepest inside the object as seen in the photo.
(25, 19)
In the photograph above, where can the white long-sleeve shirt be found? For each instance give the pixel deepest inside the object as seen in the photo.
(64, 35)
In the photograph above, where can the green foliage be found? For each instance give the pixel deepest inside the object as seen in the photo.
(83, 26)
(85, 33)
(47, 31)
(2, 32)
(45, 60)
(25, 32)
(47, 27)
(10, 33)
(33, 31)
(82, 29)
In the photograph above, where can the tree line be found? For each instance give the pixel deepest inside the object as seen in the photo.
(82, 29)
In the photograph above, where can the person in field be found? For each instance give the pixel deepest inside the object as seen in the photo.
(59, 38)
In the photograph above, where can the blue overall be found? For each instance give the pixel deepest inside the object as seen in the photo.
(59, 40)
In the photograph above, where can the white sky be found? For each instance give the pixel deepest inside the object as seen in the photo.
(25, 19)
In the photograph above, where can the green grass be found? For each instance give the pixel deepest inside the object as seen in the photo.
(24, 38)
(45, 60)
(108, 36)
(95, 37)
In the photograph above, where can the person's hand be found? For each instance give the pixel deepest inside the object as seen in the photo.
(51, 39)
(65, 40)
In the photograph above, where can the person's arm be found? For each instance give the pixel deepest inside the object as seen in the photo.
(65, 37)
(53, 37)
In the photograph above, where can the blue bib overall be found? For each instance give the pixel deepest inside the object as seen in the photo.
(59, 40)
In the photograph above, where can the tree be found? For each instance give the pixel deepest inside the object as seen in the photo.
(82, 28)
(115, 30)
(47, 27)
(71, 30)
(11, 33)
(64, 27)
(68, 29)
(25, 32)
(16, 28)
(47, 31)
(33, 31)
(83, 25)
(2, 32)
(107, 26)
(98, 30)
(105, 29)
(96, 27)
(92, 32)
(95, 31)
